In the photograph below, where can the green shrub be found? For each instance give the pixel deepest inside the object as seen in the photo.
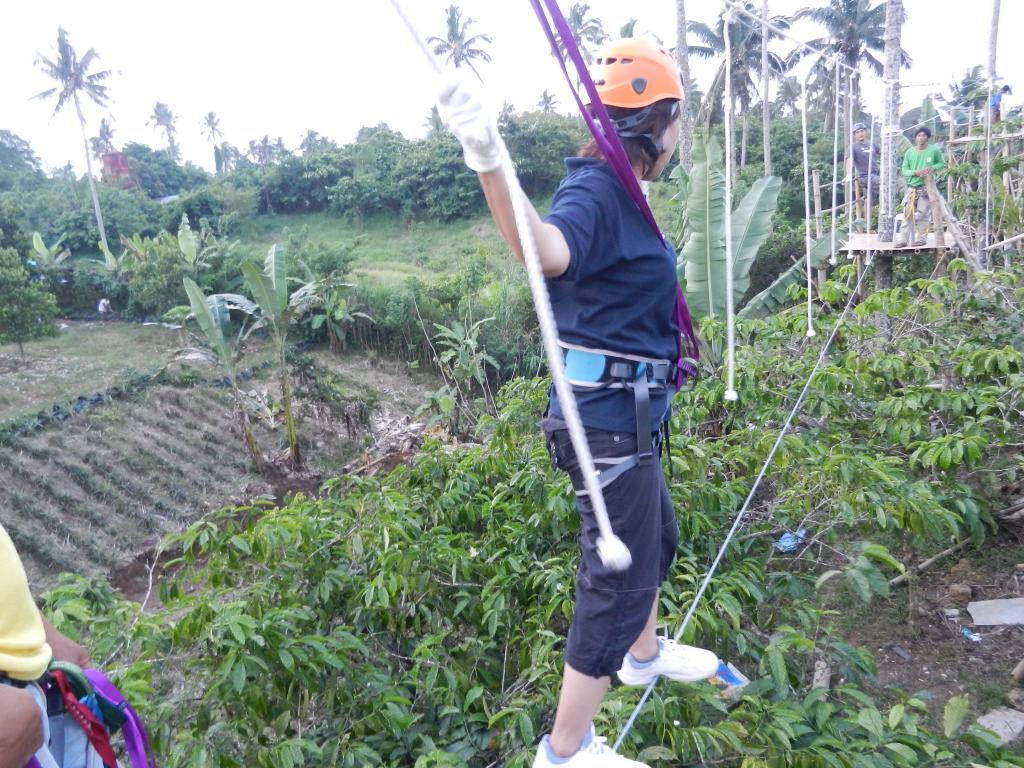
(27, 309)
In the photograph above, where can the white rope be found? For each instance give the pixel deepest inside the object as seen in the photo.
(730, 310)
(835, 170)
(807, 213)
(986, 235)
(851, 119)
(611, 550)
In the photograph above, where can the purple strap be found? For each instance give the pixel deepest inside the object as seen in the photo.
(135, 739)
(33, 763)
(603, 131)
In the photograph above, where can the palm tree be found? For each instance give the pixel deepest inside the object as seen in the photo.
(103, 142)
(745, 40)
(788, 97)
(683, 60)
(73, 77)
(547, 103)
(163, 118)
(505, 115)
(229, 156)
(434, 124)
(585, 29)
(211, 125)
(971, 91)
(628, 29)
(893, 20)
(855, 33)
(458, 45)
(261, 150)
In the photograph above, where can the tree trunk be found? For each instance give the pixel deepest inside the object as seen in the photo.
(766, 119)
(894, 18)
(92, 181)
(683, 60)
(993, 39)
(744, 139)
(286, 404)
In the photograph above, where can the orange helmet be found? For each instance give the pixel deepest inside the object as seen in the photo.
(635, 73)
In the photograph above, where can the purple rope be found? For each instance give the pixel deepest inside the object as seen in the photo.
(135, 739)
(603, 131)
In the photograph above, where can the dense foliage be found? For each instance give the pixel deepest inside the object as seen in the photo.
(418, 618)
(28, 309)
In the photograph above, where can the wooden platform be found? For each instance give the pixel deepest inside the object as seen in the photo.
(860, 242)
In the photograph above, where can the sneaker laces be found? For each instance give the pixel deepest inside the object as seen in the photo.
(598, 746)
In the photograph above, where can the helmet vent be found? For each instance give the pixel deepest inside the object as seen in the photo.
(627, 61)
(639, 84)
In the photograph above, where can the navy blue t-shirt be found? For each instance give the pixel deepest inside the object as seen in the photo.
(619, 290)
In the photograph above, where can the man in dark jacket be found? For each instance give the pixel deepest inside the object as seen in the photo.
(866, 162)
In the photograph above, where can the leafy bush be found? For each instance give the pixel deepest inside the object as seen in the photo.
(27, 309)
(158, 175)
(65, 208)
(418, 618)
(155, 284)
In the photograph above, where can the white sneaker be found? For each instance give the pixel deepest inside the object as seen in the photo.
(675, 661)
(594, 753)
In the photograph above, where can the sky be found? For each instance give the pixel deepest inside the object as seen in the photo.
(334, 67)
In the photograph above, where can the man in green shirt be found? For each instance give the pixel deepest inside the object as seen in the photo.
(920, 162)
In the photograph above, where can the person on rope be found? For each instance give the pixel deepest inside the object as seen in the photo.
(612, 282)
(920, 162)
(865, 167)
(28, 643)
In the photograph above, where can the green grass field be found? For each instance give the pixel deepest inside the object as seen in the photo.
(88, 357)
(390, 250)
(84, 358)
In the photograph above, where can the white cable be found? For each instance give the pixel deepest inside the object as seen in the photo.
(851, 119)
(988, 168)
(612, 551)
(835, 170)
(807, 214)
(730, 310)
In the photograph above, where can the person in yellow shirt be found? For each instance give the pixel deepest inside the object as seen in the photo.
(28, 642)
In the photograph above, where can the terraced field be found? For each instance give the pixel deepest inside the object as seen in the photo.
(94, 492)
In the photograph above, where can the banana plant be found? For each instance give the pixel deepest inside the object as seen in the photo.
(269, 288)
(49, 257)
(337, 313)
(776, 297)
(50, 260)
(209, 313)
(702, 251)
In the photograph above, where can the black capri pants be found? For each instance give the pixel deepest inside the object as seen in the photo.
(612, 607)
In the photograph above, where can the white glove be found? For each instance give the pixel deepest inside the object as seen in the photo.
(465, 115)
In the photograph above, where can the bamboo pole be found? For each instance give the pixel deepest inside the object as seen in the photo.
(818, 229)
(938, 225)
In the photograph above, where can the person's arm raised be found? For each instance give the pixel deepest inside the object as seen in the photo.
(466, 117)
